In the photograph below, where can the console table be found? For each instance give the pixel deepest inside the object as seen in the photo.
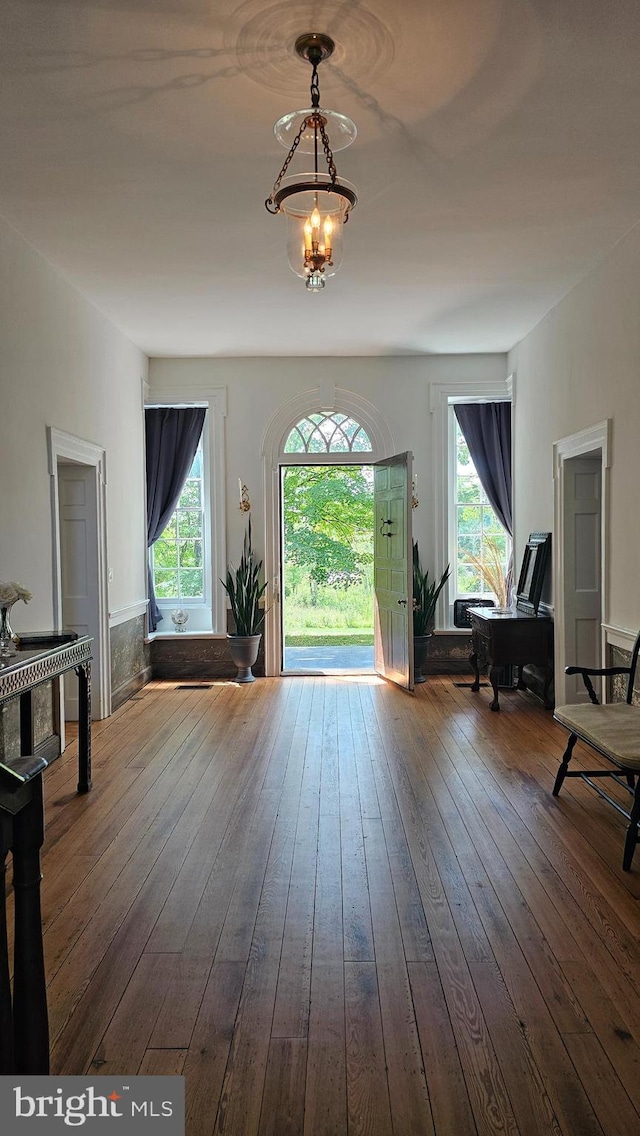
(40, 659)
(24, 1029)
(514, 638)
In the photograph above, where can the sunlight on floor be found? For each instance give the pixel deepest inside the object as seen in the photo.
(367, 680)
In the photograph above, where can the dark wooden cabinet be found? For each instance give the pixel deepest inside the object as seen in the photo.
(512, 639)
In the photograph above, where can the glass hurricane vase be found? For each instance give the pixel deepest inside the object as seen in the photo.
(180, 617)
(7, 646)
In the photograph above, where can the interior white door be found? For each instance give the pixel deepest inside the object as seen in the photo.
(393, 569)
(78, 518)
(583, 569)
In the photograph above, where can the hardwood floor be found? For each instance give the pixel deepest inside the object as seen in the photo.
(338, 909)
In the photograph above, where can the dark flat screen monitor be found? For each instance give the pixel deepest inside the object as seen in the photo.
(535, 563)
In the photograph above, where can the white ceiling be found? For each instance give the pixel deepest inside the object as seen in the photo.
(497, 161)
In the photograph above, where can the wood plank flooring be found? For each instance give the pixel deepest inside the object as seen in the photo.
(340, 910)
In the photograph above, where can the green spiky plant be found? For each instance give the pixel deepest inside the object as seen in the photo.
(245, 591)
(425, 595)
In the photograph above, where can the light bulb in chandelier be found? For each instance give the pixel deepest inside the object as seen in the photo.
(316, 204)
(317, 250)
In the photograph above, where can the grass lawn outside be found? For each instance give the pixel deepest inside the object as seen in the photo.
(345, 637)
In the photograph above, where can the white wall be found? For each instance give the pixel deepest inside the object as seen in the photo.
(578, 367)
(63, 364)
(398, 387)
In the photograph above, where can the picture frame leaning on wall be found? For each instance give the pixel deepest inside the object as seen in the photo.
(535, 564)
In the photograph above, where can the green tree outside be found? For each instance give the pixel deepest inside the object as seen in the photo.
(328, 553)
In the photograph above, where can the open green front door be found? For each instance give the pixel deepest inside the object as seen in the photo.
(393, 570)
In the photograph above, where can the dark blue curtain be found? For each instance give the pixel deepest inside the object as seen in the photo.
(487, 431)
(172, 436)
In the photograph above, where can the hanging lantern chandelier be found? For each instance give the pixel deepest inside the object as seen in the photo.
(316, 204)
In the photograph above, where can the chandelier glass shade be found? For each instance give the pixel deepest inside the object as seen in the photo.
(316, 203)
(343, 130)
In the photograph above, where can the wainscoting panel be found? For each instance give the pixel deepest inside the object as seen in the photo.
(195, 657)
(130, 662)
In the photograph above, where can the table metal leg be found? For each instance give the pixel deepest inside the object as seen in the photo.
(548, 701)
(30, 1016)
(6, 1016)
(84, 727)
(27, 738)
(494, 676)
(473, 659)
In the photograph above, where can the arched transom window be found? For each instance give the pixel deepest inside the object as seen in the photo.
(328, 434)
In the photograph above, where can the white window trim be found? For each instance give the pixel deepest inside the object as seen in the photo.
(442, 396)
(215, 401)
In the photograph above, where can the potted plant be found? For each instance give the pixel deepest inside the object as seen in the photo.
(245, 591)
(425, 597)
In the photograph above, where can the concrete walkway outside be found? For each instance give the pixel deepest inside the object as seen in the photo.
(323, 660)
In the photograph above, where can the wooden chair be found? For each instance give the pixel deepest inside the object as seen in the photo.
(614, 732)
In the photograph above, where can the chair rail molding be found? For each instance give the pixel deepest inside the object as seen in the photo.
(130, 611)
(621, 637)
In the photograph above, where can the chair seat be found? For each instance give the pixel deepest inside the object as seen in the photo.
(613, 729)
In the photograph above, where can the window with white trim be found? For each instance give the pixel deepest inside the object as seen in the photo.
(480, 546)
(193, 568)
(178, 556)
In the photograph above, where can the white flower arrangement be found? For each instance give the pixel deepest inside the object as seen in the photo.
(12, 592)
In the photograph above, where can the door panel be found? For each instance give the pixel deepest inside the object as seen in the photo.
(393, 570)
(582, 562)
(78, 559)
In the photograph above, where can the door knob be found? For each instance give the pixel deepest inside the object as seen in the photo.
(403, 603)
(383, 523)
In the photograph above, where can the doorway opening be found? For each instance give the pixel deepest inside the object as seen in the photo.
(79, 531)
(582, 569)
(581, 463)
(323, 426)
(327, 558)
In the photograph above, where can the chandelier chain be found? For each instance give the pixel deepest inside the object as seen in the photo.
(316, 121)
(285, 165)
(315, 88)
(328, 153)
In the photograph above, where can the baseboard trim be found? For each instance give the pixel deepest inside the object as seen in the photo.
(446, 666)
(130, 687)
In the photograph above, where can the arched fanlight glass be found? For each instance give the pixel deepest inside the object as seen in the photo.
(334, 433)
(316, 204)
